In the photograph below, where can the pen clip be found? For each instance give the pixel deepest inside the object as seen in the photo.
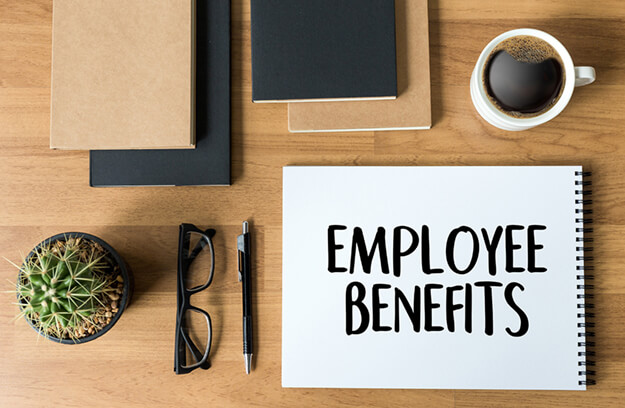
(240, 249)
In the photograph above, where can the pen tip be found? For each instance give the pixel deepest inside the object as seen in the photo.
(248, 363)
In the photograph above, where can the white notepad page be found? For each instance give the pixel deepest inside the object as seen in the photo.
(328, 212)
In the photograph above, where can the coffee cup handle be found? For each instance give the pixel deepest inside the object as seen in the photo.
(584, 76)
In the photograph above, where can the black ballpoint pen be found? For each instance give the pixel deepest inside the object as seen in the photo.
(245, 277)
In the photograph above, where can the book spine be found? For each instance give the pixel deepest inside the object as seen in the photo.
(585, 268)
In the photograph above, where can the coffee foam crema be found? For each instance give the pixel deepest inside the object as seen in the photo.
(527, 49)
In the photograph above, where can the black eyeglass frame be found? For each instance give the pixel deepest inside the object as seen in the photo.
(183, 343)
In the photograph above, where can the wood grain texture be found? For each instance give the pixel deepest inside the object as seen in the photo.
(43, 192)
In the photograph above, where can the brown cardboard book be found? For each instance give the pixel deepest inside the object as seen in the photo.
(411, 109)
(123, 74)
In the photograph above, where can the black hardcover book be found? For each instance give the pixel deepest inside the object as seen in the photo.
(209, 162)
(316, 50)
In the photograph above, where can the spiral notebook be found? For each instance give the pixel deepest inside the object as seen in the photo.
(436, 277)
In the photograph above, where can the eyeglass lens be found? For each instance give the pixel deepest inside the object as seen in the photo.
(200, 254)
(196, 330)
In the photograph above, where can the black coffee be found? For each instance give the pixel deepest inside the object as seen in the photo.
(523, 76)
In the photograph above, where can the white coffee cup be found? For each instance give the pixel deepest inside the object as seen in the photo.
(574, 76)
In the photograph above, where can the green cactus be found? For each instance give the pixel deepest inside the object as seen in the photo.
(61, 287)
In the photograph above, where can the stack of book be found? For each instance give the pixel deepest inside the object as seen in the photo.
(137, 84)
(343, 65)
(145, 86)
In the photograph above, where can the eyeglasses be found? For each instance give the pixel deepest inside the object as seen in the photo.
(196, 266)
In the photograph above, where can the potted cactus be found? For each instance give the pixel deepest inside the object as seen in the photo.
(73, 287)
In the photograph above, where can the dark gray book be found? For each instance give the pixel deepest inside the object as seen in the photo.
(209, 162)
(317, 50)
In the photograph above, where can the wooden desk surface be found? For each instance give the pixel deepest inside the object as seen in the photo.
(43, 192)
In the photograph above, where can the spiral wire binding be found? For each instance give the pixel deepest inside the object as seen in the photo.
(584, 240)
